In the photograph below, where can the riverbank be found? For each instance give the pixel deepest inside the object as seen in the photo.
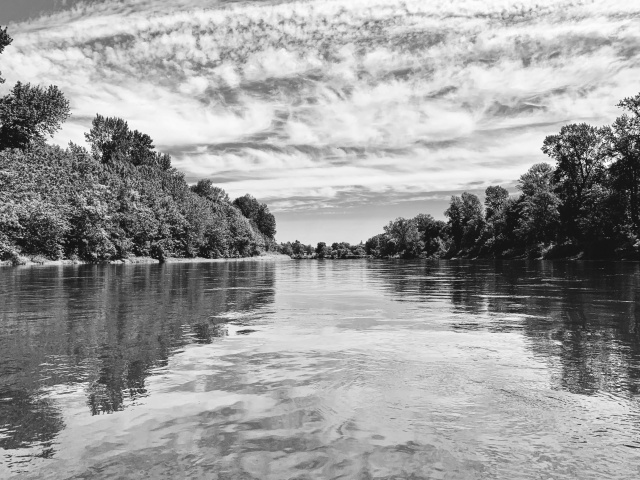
(41, 261)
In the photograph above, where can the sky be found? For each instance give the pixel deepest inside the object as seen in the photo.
(339, 114)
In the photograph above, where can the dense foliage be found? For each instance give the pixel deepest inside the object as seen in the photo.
(5, 40)
(322, 250)
(30, 113)
(587, 204)
(121, 199)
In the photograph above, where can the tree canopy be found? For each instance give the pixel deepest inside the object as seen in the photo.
(30, 114)
(121, 199)
(258, 213)
(206, 189)
(586, 203)
(5, 41)
(112, 141)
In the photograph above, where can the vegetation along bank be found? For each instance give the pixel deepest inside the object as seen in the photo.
(584, 205)
(120, 199)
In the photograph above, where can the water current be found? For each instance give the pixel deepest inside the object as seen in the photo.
(321, 369)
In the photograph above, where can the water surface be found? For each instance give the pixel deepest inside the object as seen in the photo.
(312, 369)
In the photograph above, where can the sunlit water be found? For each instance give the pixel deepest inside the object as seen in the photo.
(312, 369)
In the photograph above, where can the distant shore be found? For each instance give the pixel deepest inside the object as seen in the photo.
(39, 261)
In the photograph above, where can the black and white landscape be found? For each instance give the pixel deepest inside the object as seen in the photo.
(320, 239)
(341, 115)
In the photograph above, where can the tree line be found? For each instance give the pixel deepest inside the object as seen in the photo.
(119, 198)
(585, 204)
(322, 250)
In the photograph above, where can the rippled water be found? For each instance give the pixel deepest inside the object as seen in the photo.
(311, 369)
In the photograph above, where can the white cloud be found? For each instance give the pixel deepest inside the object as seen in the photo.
(294, 99)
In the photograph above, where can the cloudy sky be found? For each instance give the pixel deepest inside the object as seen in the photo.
(340, 114)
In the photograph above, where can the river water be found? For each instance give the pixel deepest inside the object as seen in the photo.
(321, 369)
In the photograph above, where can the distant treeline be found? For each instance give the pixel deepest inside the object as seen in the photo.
(122, 198)
(322, 250)
(585, 205)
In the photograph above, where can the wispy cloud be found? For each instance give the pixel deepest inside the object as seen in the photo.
(315, 100)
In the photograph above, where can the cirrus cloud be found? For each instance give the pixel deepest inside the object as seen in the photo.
(330, 103)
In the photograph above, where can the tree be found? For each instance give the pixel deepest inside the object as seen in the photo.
(141, 150)
(624, 141)
(113, 142)
(492, 237)
(258, 213)
(285, 248)
(539, 213)
(265, 221)
(494, 200)
(579, 151)
(358, 250)
(341, 249)
(321, 249)
(109, 137)
(404, 235)
(466, 220)
(431, 232)
(30, 113)
(206, 189)
(377, 246)
(297, 248)
(248, 205)
(5, 41)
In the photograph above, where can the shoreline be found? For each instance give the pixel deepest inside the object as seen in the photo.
(276, 257)
(40, 262)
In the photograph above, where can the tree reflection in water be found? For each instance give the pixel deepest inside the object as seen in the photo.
(99, 333)
(28, 420)
(581, 317)
(108, 328)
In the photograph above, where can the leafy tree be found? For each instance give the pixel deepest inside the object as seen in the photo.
(377, 245)
(403, 234)
(109, 138)
(265, 221)
(321, 250)
(297, 248)
(466, 220)
(92, 230)
(341, 249)
(504, 227)
(431, 233)
(624, 141)
(258, 213)
(206, 189)
(29, 114)
(248, 205)
(141, 149)
(494, 200)
(359, 250)
(579, 151)
(286, 249)
(113, 142)
(5, 41)
(539, 213)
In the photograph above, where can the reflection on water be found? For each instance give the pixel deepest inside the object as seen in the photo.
(580, 317)
(354, 369)
(105, 328)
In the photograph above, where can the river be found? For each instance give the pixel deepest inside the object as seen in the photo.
(321, 369)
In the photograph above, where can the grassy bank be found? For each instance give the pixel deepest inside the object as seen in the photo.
(41, 261)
